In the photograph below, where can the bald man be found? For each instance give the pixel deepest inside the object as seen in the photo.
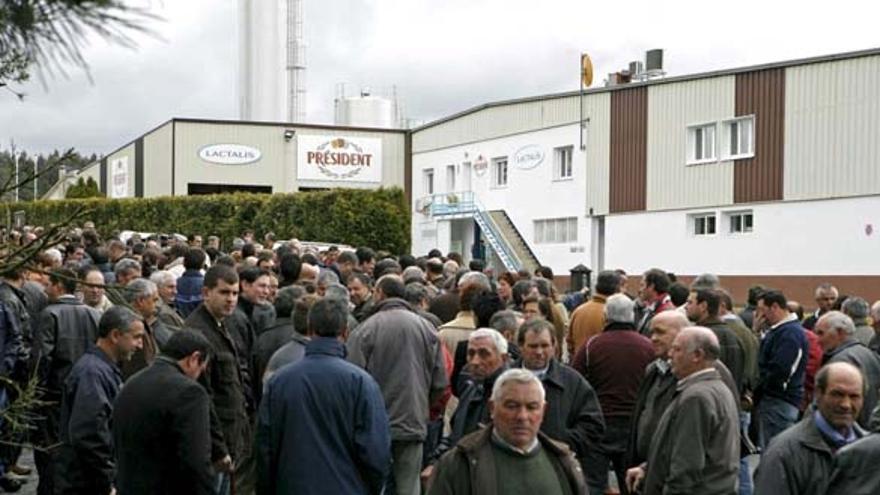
(799, 460)
(695, 448)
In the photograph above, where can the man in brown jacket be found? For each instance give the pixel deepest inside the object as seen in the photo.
(510, 455)
(589, 318)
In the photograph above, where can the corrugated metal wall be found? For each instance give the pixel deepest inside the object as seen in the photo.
(157, 162)
(832, 129)
(597, 107)
(671, 183)
(628, 160)
(761, 177)
(494, 122)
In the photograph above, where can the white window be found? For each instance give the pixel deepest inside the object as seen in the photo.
(701, 144)
(429, 181)
(739, 137)
(556, 230)
(450, 178)
(741, 222)
(562, 166)
(499, 172)
(703, 224)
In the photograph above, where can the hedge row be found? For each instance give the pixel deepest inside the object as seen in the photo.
(376, 218)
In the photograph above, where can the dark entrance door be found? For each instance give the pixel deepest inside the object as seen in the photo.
(193, 189)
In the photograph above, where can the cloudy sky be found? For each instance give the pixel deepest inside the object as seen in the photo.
(443, 56)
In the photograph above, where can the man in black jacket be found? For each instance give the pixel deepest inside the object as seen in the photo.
(702, 308)
(573, 414)
(161, 423)
(224, 377)
(64, 330)
(85, 459)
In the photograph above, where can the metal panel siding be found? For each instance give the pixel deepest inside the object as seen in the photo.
(597, 108)
(139, 168)
(671, 182)
(761, 177)
(494, 122)
(103, 180)
(629, 136)
(832, 124)
(157, 162)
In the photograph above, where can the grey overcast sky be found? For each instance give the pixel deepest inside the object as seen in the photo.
(443, 56)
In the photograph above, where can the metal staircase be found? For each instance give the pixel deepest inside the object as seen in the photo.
(499, 232)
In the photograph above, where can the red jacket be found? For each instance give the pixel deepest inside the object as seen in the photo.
(814, 362)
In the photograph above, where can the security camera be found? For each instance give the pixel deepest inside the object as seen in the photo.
(288, 134)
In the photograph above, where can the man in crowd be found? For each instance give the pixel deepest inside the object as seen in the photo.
(589, 318)
(457, 330)
(127, 270)
(326, 407)
(167, 285)
(836, 332)
(524, 459)
(800, 459)
(858, 309)
(573, 415)
(86, 462)
(854, 471)
(230, 426)
(401, 350)
(695, 448)
(826, 296)
(653, 292)
(874, 345)
(487, 358)
(92, 288)
(295, 348)
(781, 366)
(189, 285)
(64, 330)
(702, 308)
(615, 366)
(161, 423)
(360, 287)
(253, 299)
(143, 297)
(279, 333)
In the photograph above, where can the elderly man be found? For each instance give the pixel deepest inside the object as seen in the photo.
(524, 459)
(615, 365)
(836, 333)
(402, 352)
(782, 363)
(126, 270)
(167, 285)
(573, 415)
(85, 460)
(826, 296)
(695, 448)
(858, 309)
(143, 297)
(92, 289)
(486, 359)
(799, 460)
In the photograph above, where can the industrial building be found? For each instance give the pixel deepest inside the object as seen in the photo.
(193, 156)
(764, 173)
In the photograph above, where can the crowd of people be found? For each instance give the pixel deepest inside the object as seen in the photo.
(163, 364)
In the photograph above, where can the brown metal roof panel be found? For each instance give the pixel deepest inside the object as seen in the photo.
(629, 143)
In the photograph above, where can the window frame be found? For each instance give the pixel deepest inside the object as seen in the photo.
(559, 166)
(450, 178)
(690, 143)
(561, 230)
(742, 214)
(726, 126)
(428, 176)
(496, 184)
(694, 218)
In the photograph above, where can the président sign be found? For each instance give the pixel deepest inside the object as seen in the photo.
(338, 159)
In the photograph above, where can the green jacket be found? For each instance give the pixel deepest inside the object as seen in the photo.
(468, 469)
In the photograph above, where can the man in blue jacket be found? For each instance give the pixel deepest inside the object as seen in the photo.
(322, 426)
(782, 363)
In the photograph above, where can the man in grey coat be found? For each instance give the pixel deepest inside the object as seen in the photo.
(799, 460)
(402, 352)
(836, 333)
(696, 445)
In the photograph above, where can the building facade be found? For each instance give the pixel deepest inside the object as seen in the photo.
(191, 156)
(765, 173)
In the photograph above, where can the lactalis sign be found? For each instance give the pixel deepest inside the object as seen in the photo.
(230, 154)
(338, 158)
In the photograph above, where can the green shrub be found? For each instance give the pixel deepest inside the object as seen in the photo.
(358, 217)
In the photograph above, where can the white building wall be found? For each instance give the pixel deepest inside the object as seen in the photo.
(530, 194)
(671, 182)
(784, 241)
(832, 129)
(597, 137)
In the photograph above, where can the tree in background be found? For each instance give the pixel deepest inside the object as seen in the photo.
(50, 34)
(84, 189)
(47, 169)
